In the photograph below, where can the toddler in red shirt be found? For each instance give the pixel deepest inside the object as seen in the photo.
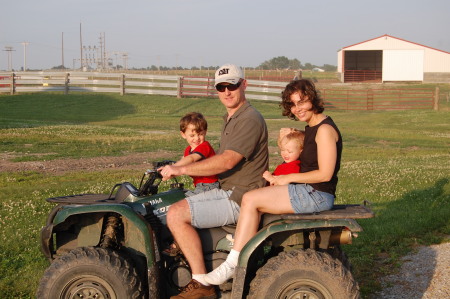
(290, 143)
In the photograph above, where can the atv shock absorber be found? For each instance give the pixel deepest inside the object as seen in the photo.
(112, 233)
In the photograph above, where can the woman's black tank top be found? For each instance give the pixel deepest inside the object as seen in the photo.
(308, 156)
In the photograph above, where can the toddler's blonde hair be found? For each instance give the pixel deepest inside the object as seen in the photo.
(294, 134)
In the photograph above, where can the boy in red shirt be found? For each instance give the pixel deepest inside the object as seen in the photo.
(290, 143)
(193, 127)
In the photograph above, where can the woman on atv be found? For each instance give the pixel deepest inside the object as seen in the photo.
(311, 190)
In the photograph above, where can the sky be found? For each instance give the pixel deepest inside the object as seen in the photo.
(187, 33)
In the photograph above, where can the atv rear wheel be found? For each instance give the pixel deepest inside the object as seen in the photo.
(303, 274)
(337, 253)
(90, 272)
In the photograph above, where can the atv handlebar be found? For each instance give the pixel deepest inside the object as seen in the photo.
(150, 187)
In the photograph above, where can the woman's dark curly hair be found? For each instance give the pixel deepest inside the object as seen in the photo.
(308, 92)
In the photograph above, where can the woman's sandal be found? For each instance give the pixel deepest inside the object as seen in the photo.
(172, 250)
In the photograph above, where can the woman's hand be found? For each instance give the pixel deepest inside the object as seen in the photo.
(276, 180)
(279, 180)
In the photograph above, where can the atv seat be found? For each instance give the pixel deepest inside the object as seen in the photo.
(352, 211)
(337, 212)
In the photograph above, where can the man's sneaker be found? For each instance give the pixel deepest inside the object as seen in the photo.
(195, 290)
(221, 274)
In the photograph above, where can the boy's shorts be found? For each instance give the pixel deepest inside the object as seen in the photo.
(202, 187)
(305, 199)
(213, 208)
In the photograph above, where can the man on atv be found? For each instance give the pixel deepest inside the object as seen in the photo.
(239, 163)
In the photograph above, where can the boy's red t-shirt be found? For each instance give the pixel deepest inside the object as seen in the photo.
(205, 150)
(287, 168)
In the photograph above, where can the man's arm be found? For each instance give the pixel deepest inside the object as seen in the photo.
(211, 166)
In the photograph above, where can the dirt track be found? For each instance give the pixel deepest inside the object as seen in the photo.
(138, 161)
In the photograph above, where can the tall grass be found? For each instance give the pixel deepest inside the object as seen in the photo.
(397, 160)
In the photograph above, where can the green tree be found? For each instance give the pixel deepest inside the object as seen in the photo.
(59, 67)
(294, 64)
(280, 62)
(309, 66)
(329, 68)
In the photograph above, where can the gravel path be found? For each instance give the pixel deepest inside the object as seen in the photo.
(425, 274)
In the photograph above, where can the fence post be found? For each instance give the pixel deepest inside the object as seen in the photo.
(436, 99)
(370, 99)
(12, 85)
(66, 83)
(179, 85)
(122, 84)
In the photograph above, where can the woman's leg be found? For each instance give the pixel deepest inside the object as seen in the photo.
(275, 200)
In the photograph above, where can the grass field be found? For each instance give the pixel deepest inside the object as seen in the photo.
(397, 160)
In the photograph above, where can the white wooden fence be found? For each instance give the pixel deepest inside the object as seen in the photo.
(21, 82)
(347, 99)
(87, 82)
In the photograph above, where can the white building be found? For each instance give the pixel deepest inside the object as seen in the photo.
(387, 58)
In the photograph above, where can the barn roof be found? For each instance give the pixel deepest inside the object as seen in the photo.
(390, 36)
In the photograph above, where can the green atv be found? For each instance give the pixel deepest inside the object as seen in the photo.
(110, 246)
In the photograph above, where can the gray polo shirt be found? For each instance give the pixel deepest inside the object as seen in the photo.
(245, 133)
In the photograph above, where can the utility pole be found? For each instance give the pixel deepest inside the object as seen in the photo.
(125, 60)
(25, 44)
(62, 50)
(9, 49)
(100, 63)
(81, 50)
(103, 51)
(115, 54)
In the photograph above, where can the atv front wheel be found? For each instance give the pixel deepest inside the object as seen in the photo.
(303, 274)
(90, 272)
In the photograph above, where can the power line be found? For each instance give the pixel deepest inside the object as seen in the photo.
(9, 49)
(25, 44)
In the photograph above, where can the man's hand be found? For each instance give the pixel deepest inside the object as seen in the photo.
(169, 171)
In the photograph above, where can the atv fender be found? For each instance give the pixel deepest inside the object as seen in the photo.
(281, 226)
(138, 235)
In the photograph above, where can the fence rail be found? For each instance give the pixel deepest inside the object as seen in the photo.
(88, 82)
(379, 99)
(347, 99)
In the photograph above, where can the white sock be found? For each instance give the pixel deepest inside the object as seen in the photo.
(200, 278)
(233, 258)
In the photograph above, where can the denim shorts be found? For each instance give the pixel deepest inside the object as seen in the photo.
(213, 208)
(305, 199)
(202, 187)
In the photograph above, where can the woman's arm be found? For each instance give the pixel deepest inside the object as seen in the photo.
(326, 139)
